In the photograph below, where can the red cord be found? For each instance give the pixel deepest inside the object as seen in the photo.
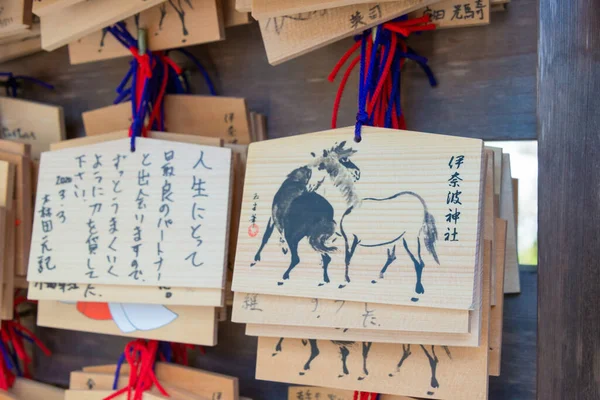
(340, 92)
(384, 75)
(342, 61)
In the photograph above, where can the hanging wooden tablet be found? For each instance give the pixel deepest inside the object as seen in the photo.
(313, 392)
(181, 324)
(7, 189)
(23, 207)
(262, 9)
(243, 5)
(208, 384)
(28, 389)
(46, 128)
(292, 36)
(210, 116)
(128, 294)
(44, 7)
(166, 228)
(15, 15)
(512, 281)
(21, 48)
(32, 32)
(497, 312)
(401, 197)
(252, 308)
(168, 25)
(423, 371)
(456, 13)
(103, 394)
(490, 215)
(87, 17)
(165, 295)
(233, 17)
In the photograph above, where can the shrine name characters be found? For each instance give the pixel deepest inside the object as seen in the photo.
(453, 199)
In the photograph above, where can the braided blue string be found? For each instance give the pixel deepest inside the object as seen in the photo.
(118, 371)
(362, 117)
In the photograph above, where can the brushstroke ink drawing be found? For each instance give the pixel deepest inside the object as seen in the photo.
(300, 211)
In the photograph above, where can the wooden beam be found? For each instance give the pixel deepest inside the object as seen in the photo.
(569, 207)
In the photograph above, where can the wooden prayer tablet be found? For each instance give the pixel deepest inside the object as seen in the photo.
(80, 19)
(28, 389)
(19, 36)
(251, 308)
(102, 394)
(36, 124)
(22, 206)
(262, 9)
(155, 217)
(243, 5)
(107, 137)
(7, 309)
(102, 385)
(211, 116)
(393, 219)
(426, 371)
(292, 36)
(169, 25)
(233, 17)
(313, 392)
(181, 324)
(176, 296)
(16, 16)
(512, 281)
(20, 48)
(44, 7)
(456, 13)
(497, 312)
(204, 383)
(490, 215)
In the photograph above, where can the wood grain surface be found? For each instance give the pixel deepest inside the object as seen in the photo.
(569, 244)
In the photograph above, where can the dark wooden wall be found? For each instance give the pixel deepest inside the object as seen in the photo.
(569, 193)
(487, 89)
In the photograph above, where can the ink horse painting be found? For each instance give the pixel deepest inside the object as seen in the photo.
(299, 212)
(367, 218)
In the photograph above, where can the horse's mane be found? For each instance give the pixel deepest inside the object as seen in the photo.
(341, 178)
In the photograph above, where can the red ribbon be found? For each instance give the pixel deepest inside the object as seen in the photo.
(141, 357)
(365, 396)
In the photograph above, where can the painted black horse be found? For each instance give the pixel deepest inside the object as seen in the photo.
(299, 212)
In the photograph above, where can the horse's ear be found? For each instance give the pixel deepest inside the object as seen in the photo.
(325, 153)
(312, 153)
(341, 146)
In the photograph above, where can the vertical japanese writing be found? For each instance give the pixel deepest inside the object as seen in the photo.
(453, 199)
(143, 181)
(231, 131)
(113, 225)
(164, 209)
(253, 228)
(45, 257)
(199, 197)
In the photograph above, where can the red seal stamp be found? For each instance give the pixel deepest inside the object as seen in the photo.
(253, 230)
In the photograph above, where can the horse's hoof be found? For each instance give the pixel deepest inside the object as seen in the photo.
(341, 286)
(321, 284)
(252, 265)
(301, 373)
(279, 283)
(373, 281)
(341, 376)
(391, 375)
(360, 378)
(414, 299)
(380, 276)
(430, 393)
(274, 354)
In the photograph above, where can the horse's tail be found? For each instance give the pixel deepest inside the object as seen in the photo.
(430, 234)
(318, 240)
